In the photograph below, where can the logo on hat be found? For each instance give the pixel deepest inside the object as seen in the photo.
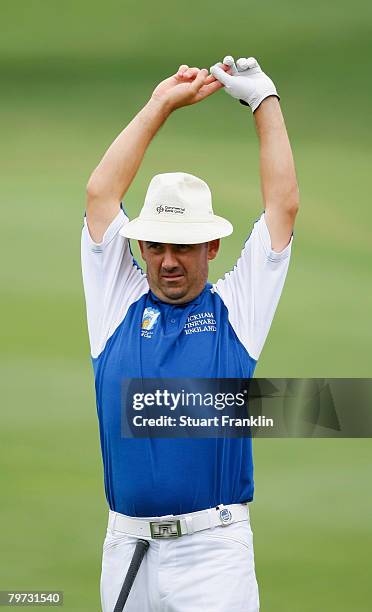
(168, 208)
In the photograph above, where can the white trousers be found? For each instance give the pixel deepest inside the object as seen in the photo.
(209, 571)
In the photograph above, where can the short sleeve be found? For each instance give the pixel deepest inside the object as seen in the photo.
(112, 281)
(251, 291)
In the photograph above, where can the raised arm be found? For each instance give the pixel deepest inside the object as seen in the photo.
(278, 176)
(118, 167)
(246, 82)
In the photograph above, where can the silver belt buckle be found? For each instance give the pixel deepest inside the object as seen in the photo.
(165, 529)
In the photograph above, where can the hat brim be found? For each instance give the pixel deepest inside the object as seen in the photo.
(185, 232)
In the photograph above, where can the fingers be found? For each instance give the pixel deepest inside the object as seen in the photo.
(242, 64)
(230, 62)
(199, 80)
(182, 69)
(191, 73)
(222, 76)
(186, 73)
(245, 63)
(211, 79)
(209, 88)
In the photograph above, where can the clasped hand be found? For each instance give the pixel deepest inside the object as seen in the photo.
(187, 86)
(244, 81)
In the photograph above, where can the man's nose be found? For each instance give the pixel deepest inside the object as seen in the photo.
(169, 259)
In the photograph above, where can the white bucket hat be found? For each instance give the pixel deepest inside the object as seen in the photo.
(177, 210)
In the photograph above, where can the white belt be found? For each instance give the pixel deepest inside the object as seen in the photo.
(174, 526)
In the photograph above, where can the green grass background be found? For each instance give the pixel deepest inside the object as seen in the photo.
(72, 76)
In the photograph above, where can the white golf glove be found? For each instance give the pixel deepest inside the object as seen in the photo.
(246, 81)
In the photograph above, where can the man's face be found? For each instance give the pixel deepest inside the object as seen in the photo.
(177, 273)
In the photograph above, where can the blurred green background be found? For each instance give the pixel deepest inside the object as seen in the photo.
(72, 75)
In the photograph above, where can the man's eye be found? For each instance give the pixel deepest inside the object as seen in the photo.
(183, 247)
(155, 246)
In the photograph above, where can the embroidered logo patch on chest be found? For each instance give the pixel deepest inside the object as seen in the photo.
(200, 322)
(149, 320)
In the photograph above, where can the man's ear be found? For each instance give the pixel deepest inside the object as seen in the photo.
(141, 246)
(213, 248)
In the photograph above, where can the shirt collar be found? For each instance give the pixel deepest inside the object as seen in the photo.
(195, 302)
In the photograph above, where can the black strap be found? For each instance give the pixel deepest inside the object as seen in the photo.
(139, 553)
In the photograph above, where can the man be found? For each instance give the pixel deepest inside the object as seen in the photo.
(171, 323)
